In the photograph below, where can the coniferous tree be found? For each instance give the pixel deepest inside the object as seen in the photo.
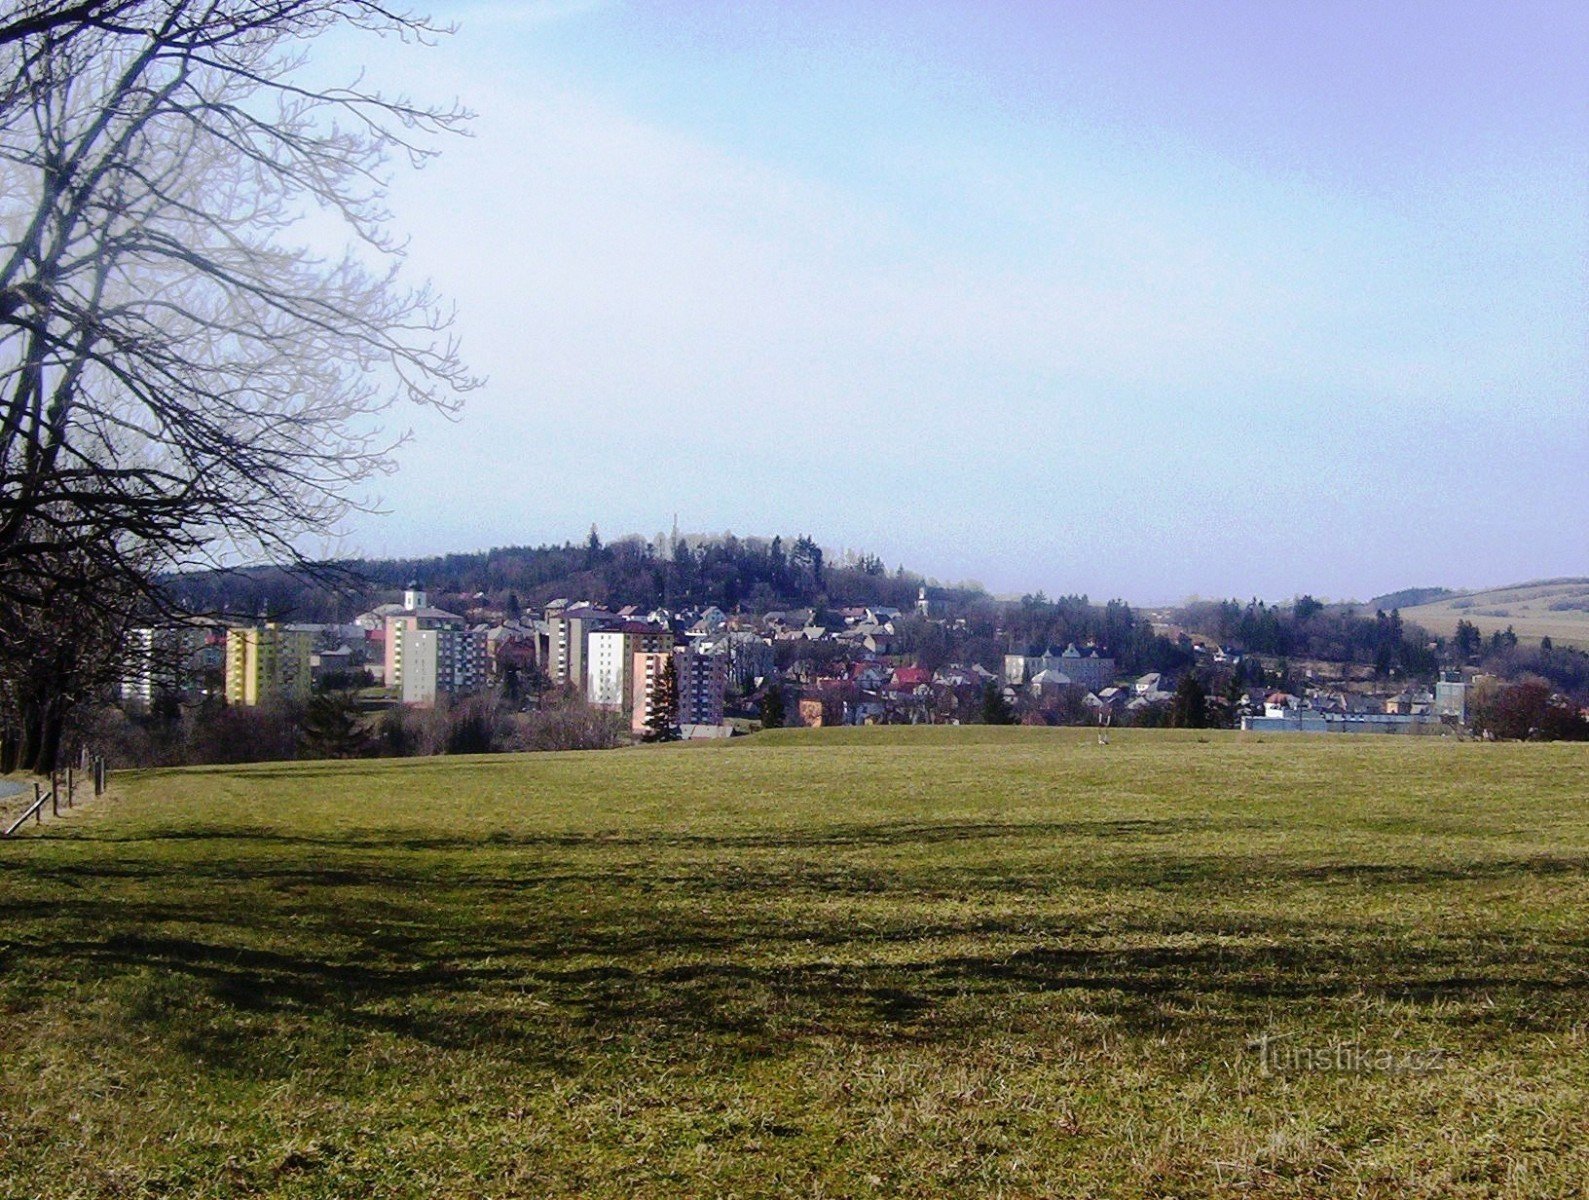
(996, 709)
(333, 727)
(772, 709)
(1189, 709)
(662, 722)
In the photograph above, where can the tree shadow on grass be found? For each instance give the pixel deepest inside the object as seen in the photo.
(385, 948)
(859, 835)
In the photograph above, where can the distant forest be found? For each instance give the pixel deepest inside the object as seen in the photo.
(754, 573)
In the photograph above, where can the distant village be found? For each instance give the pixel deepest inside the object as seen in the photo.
(732, 672)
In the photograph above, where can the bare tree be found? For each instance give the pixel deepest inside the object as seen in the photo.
(182, 376)
(62, 645)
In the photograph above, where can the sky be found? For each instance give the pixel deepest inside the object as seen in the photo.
(1132, 299)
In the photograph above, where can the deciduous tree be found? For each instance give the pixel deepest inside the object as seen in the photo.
(183, 376)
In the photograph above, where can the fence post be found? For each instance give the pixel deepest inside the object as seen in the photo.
(55, 795)
(71, 787)
(38, 805)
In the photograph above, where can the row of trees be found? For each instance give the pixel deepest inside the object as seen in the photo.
(758, 574)
(1526, 711)
(335, 724)
(183, 378)
(1309, 629)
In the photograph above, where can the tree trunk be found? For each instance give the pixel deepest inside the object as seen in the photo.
(32, 735)
(51, 728)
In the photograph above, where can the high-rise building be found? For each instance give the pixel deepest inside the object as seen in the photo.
(568, 642)
(182, 660)
(702, 681)
(648, 666)
(431, 652)
(609, 677)
(268, 663)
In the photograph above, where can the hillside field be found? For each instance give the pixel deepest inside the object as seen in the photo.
(976, 962)
(1554, 608)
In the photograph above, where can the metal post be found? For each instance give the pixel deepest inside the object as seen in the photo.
(55, 795)
(71, 788)
(38, 805)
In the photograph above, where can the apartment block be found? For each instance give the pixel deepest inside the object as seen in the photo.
(268, 663)
(431, 653)
(610, 674)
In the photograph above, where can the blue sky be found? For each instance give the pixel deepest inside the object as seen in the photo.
(1138, 299)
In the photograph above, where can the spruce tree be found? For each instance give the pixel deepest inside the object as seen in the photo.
(662, 722)
(1189, 710)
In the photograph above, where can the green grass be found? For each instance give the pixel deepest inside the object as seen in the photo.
(837, 963)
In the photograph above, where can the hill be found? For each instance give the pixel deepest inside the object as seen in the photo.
(1553, 608)
(675, 573)
(894, 962)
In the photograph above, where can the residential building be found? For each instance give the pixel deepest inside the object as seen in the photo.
(700, 680)
(1087, 669)
(431, 653)
(746, 657)
(645, 674)
(268, 663)
(568, 641)
(610, 674)
(173, 660)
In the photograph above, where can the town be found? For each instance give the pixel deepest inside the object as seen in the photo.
(953, 656)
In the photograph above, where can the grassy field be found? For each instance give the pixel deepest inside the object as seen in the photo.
(1555, 608)
(890, 963)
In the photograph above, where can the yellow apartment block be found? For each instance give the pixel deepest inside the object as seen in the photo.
(267, 663)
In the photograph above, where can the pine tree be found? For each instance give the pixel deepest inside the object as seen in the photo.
(1189, 710)
(995, 708)
(662, 722)
(333, 727)
(772, 708)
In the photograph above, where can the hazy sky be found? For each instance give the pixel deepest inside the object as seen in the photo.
(1138, 299)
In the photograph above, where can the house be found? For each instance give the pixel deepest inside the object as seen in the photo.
(1046, 682)
(822, 706)
(869, 676)
(878, 639)
(1280, 704)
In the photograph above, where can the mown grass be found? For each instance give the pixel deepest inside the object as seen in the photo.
(918, 962)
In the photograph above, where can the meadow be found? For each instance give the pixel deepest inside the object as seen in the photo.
(1553, 608)
(974, 962)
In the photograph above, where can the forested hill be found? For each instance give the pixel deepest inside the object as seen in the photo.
(756, 573)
